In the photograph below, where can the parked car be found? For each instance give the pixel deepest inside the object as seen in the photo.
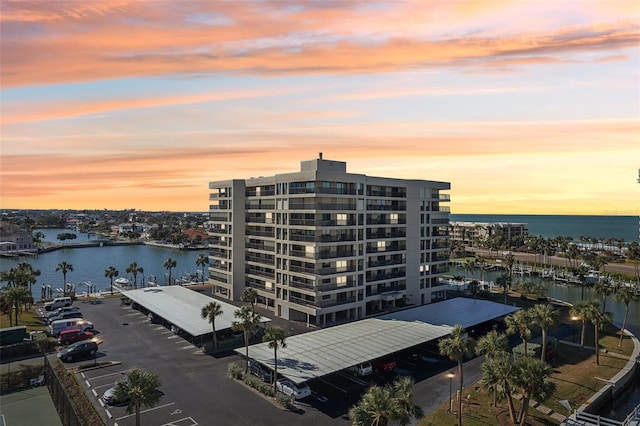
(260, 370)
(58, 302)
(73, 335)
(362, 369)
(57, 326)
(289, 388)
(383, 365)
(108, 395)
(66, 315)
(60, 311)
(77, 350)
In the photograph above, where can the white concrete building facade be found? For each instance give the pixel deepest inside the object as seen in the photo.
(323, 246)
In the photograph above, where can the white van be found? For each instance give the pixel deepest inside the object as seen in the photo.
(58, 302)
(57, 326)
(362, 369)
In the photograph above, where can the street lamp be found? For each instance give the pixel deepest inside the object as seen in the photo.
(450, 375)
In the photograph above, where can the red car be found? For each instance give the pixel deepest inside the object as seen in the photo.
(73, 335)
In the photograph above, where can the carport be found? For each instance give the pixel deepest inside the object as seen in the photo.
(319, 353)
(182, 307)
(463, 311)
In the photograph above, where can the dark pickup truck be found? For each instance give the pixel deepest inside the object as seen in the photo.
(383, 365)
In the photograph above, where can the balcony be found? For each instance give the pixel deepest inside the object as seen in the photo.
(260, 259)
(321, 304)
(257, 233)
(375, 207)
(330, 254)
(260, 206)
(257, 246)
(385, 262)
(264, 274)
(387, 249)
(302, 269)
(385, 276)
(376, 235)
(320, 206)
(262, 193)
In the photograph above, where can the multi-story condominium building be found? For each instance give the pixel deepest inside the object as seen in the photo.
(478, 232)
(322, 245)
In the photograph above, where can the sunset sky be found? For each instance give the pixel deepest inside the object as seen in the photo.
(524, 106)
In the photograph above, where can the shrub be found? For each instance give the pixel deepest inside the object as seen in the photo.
(284, 400)
(234, 370)
(258, 384)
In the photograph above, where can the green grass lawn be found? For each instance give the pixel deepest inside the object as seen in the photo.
(29, 318)
(576, 376)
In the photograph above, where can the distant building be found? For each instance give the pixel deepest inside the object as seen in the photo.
(14, 238)
(473, 232)
(322, 245)
(196, 235)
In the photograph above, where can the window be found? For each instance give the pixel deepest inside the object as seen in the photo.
(393, 218)
(341, 265)
(341, 281)
(341, 218)
(382, 245)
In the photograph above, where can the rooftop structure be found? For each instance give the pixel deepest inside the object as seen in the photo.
(472, 232)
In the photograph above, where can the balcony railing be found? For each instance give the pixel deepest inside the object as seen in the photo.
(374, 235)
(321, 206)
(386, 276)
(386, 262)
(326, 254)
(386, 249)
(256, 233)
(265, 274)
(256, 246)
(375, 207)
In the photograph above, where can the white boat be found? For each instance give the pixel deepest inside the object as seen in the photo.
(122, 281)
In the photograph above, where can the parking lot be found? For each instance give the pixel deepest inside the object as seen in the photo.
(195, 387)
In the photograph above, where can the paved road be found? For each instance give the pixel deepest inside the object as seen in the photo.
(557, 261)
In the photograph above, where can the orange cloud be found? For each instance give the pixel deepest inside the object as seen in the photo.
(506, 163)
(96, 43)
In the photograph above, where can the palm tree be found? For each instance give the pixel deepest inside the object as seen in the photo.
(497, 373)
(8, 276)
(250, 295)
(470, 266)
(492, 345)
(12, 297)
(604, 289)
(625, 296)
(457, 347)
(579, 311)
(504, 281)
(406, 409)
(209, 312)
(509, 261)
(633, 253)
(544, 316)
(65, 267)
(276, 336)
(519, 323)
(134, 269)
(25, 275)
(383, 405)
(532, 378)
(376, 408)
(599, 320)
(248, 322)
(111, 272)
(202, 261)
(140, 388)
(169, 264)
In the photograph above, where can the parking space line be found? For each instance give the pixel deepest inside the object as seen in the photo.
(159, 328)
(108, 413)
(88, 384)
(147, 410)
(182, 422)
(123, 372)
(188, 347)
(175, 336)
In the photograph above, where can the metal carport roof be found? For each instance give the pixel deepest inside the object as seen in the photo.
(182, 307)
(460, 310)
(322, 352)
(318, 353)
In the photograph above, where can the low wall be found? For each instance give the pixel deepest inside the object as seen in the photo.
(619, 382)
